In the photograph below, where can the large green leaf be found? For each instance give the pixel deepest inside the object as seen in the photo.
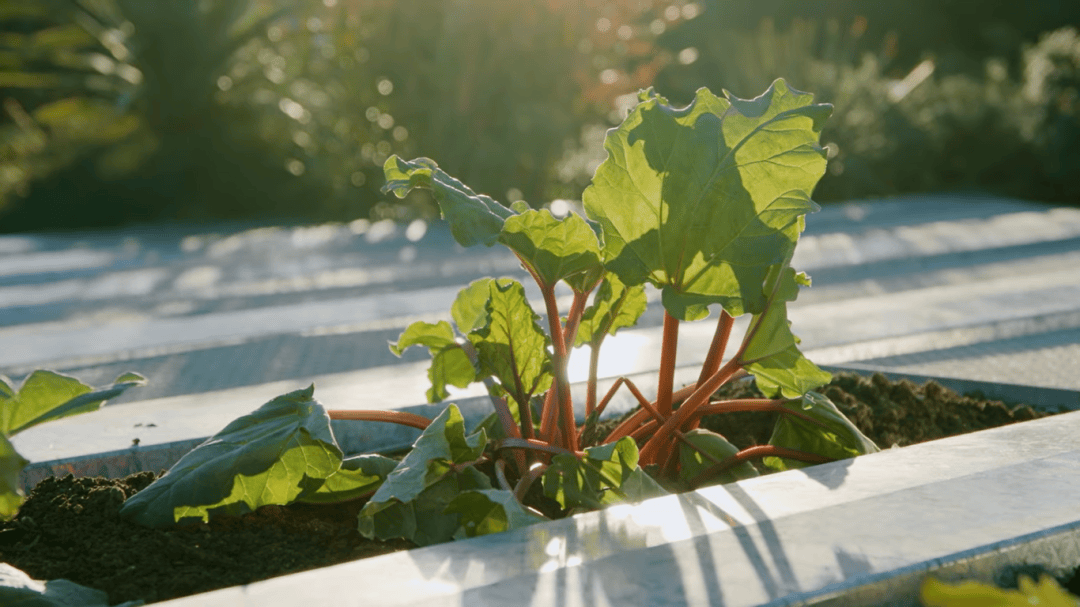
(701, 201)
(275, 455)
(410, 503)
(511, 345)
(615, 306)
(554, 249)
(474, 218)
(485, 511)
(839, 439)
(607, 474)
(450, 364)
(47, 395)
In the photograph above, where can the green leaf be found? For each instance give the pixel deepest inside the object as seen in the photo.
(701, 201)
(47, 395)
(17, 589)
(511, 346)
(11, 465)
(469, 307)
(275, 455)
(411, 500)
(554, 249)
(358, 475)
(449, 364)
(485, 511)
(839, 439)
(474, 218)
(607, 474)
(615, 306)
(692, 462)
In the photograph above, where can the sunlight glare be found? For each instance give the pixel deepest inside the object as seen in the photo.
(620, 354)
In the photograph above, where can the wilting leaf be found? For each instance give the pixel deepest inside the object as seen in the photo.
(839, 439)
(275, 455)
(701, 201)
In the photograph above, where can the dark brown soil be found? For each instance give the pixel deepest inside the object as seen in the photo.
(69, 528)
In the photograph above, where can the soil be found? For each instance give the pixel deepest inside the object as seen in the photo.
(69, 527)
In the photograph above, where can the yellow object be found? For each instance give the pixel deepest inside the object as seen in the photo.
(1045, 593)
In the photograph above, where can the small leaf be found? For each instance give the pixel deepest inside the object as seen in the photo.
(511, 345)
(275, 455)
(607, 474)
(449, 364)
(485, 511)
(839, 439)
(692, 462)
(615, 306)
(47, 395)
(555, 249)
(474, 218)
(468, 309)
(11, 465)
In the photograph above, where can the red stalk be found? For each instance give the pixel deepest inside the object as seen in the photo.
(759, 451)
(394, 417)
(716, 351)
(667, 364)
(662, 438)
(564, 406)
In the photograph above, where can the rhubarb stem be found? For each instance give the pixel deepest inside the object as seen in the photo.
(667, 364)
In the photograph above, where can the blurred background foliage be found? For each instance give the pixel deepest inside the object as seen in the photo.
(119, 111)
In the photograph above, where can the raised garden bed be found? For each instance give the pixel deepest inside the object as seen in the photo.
(70, 529)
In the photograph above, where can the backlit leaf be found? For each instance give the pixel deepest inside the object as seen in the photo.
(450, 365)
(701, 201)
(692, 462)
(11, 464)
(555, 249)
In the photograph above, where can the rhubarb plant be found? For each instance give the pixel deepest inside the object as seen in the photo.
(705, 204)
